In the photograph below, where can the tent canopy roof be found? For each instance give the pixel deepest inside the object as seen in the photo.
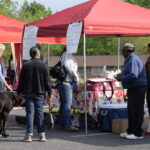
(11, 32)
(100, 18)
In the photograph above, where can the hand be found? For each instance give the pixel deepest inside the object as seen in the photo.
(118, 77)
(9, 87)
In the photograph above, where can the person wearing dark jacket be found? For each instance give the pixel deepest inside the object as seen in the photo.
(34, 82)
(133, 78)
(147, 68)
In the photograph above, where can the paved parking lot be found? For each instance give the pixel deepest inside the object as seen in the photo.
(60, 140)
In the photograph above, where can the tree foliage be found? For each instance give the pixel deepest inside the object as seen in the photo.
(99, 46)
(142, 3)
(54, 49)
(32, 12)
(8, 8)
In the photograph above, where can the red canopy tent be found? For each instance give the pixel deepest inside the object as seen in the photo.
(11, 32)
(100, 18)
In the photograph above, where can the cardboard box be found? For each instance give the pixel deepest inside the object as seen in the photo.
(121, 125)
(145, 123)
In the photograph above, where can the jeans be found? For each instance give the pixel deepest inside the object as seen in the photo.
(136, 97)
(34, 105)
(65, 93)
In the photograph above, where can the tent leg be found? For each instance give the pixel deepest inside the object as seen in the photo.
(14, 60)
(84, 48)
(48, 55)
(118, 59)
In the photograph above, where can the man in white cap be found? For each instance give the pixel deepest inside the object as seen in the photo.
(133, 78)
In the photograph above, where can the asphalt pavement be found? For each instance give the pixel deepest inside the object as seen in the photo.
(59, 140)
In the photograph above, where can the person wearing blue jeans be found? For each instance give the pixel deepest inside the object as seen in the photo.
(34, 105)
(65, 90)
(34, 82)
(65, 93)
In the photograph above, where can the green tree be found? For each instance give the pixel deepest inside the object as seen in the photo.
(8, 8)
(54, 49)
(7, 54)
(99, 46)
(32, 12)
(143, 3)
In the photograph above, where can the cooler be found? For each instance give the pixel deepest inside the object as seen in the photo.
(108, 113)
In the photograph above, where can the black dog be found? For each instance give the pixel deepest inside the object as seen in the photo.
(7, 101)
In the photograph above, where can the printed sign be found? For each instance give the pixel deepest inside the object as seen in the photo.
(73, 37)
(29, 39)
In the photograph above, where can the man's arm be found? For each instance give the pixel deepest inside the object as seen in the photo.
(47, 80)
(133, 72)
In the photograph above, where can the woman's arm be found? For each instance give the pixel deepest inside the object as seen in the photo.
(2, 78)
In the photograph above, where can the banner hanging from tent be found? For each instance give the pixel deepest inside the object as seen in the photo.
(29, 38)
(73, 36)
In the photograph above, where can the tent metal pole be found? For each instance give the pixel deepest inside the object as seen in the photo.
(84, 48)
(118, 59)
(48, 55)
(14, 60)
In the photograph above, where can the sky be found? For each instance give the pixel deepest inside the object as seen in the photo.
(55, 5)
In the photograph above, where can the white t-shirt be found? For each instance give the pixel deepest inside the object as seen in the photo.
(70, 63)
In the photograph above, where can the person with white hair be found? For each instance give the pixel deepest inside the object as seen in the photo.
(2, 70)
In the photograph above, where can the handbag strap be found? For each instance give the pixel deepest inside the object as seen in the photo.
(112, 90)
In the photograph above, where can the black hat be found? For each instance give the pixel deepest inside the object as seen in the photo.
(128, 47)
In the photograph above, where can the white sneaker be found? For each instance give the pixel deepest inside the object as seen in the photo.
(27, 138)
(123, 135)
(42, 137)
(134, 137)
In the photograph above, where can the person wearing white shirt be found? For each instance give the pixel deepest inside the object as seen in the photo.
(65, 90)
